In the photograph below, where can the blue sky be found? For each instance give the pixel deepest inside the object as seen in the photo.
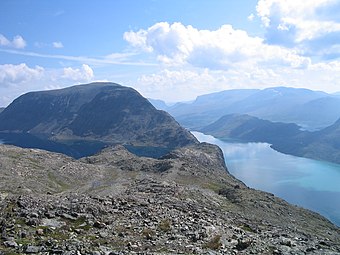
(173, 50)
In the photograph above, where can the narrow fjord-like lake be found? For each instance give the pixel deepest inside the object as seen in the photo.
(305, 182)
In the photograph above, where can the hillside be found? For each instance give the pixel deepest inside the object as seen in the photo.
(324, 144)
(118, 203)
(283, 137)
(251, 129)
(104, 113)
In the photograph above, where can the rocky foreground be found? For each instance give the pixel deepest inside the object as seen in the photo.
(118, 203)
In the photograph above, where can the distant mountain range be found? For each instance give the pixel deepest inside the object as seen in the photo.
(295, 121)
(309, 109)
(104, 113)
(2, 108)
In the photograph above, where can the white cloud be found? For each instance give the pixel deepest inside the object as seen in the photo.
(219, 49)
(58, 45)
(18, 79)
(85, 73)
(251, 17)
(4, 41)
(15, 74)
(177, 85)
(299, 19)
(107, 60)
(180, 85)
(17, 42)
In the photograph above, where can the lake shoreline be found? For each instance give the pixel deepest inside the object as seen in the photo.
(300, 181)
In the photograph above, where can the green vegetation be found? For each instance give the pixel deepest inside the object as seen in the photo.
(214, 243)
(165, 225)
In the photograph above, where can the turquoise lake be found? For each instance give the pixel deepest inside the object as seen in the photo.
(312, 184)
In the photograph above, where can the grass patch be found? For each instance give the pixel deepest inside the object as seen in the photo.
(247, 228)
(212, 186)
(214, 243)
(60, 183)
(165, 225)
(148, 233)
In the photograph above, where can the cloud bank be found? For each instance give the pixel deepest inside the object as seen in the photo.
(198, 61)
(221, 49)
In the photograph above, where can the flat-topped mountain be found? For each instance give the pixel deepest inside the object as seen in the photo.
(98, 112)
(118, 203)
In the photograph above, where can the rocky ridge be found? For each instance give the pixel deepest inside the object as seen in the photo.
(118, 203)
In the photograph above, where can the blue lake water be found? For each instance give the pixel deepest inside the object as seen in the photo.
(305, 182)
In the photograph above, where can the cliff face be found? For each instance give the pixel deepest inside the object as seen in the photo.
(101, 112)
(115, 201)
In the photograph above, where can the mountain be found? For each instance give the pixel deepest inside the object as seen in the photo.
(159, 104)
(283, 137)
(318, 113)
(207, 108)
(323, 144)
(251, 129)
(118, 203)
(279, 104)
(2, 108)
(98, 112)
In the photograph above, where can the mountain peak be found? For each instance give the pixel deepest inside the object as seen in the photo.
(101, 112)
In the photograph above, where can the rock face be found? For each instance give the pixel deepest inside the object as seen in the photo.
(105, 112)
(118, 203)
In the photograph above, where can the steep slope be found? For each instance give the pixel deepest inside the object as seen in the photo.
(323, 144)
(99, 112)
(116, 202)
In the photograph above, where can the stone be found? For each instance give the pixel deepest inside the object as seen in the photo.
(32, 249)
(40, 231)
(243, 244)
(11, 244)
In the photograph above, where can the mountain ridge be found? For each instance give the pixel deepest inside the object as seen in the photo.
(115, 201)
(278, 104)
(96, 112)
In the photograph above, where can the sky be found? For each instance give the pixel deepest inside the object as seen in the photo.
(172, 50)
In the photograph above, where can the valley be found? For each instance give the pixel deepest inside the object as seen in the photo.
(143, 184)
(298, 122)
(308, 183)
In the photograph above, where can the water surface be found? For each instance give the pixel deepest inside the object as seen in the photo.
(309, 183)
